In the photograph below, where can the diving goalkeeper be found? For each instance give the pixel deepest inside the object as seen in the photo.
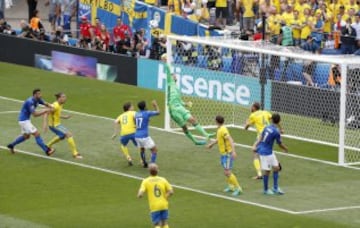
(177, 108)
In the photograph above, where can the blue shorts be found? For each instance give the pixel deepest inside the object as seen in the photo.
(226, 161)
(158, 216)
(124, 140)
(59, 130)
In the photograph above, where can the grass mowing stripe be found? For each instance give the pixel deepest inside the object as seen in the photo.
(237, 144)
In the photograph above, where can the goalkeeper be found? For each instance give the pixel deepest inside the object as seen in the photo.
(177, 108)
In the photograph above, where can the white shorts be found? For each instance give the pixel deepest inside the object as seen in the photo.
(146, 143)
(27, 127)
(269, 161)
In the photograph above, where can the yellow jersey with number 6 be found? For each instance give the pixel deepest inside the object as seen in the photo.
(156, 188)
(260, 119)
(127, 123)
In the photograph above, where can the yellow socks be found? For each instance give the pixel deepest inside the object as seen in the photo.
(165, 226)
(232, 180)
(125, 151)
(257, 166)
(56, 139)
(72, 146)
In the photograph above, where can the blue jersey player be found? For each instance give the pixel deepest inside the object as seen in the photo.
(268, 160)
(27, 128)
(144, 141)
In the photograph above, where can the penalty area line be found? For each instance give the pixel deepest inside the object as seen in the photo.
(238, 200)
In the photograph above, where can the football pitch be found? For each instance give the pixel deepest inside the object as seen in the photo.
(100, 190)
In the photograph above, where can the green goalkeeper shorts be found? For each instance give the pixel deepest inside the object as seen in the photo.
(179, 114)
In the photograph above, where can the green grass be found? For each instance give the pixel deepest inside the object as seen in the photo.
(49, 193)
(59, 195)
(106, 99)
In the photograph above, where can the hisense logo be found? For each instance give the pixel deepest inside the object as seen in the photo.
(205, 87)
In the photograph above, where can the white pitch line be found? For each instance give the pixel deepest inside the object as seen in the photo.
(140, 178)
(180, 133)
(190, 189)
(328, 209)
(8, 112)
(187, 188)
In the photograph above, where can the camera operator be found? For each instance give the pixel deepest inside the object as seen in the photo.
(158, 47)
(6, 28)
(126, 46)
(60, 37)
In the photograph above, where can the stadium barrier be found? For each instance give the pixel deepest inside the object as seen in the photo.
(203, 83)
(23, 51)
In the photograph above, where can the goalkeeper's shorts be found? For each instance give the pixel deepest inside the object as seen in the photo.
(179, 114)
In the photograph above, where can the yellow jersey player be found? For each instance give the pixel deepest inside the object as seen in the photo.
(158, 191)
(259, 119)
(126, 121)
(228, 154)
(54, 122)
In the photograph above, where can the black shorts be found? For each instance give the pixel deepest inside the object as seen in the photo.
(221, 11)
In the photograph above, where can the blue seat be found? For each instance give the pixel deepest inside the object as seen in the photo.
(202, 61)
(226, 64)
(321, 73)
(294, 72)
(72, 42)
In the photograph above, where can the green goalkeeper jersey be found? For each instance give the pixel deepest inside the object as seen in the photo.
(174, 95)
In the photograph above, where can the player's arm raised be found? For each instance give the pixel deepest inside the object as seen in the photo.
(156, 106)
(281, 129)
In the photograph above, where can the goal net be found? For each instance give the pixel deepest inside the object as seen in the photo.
(317, 96)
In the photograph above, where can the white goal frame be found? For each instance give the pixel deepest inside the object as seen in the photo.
(235, 44)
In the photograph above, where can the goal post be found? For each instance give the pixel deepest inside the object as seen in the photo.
(316, 95)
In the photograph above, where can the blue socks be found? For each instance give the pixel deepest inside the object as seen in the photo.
(18, 140)
(266, 182)
(40, 142)
(153, 157)
(276, 177)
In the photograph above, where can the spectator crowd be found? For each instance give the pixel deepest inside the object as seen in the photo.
(310, 24)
